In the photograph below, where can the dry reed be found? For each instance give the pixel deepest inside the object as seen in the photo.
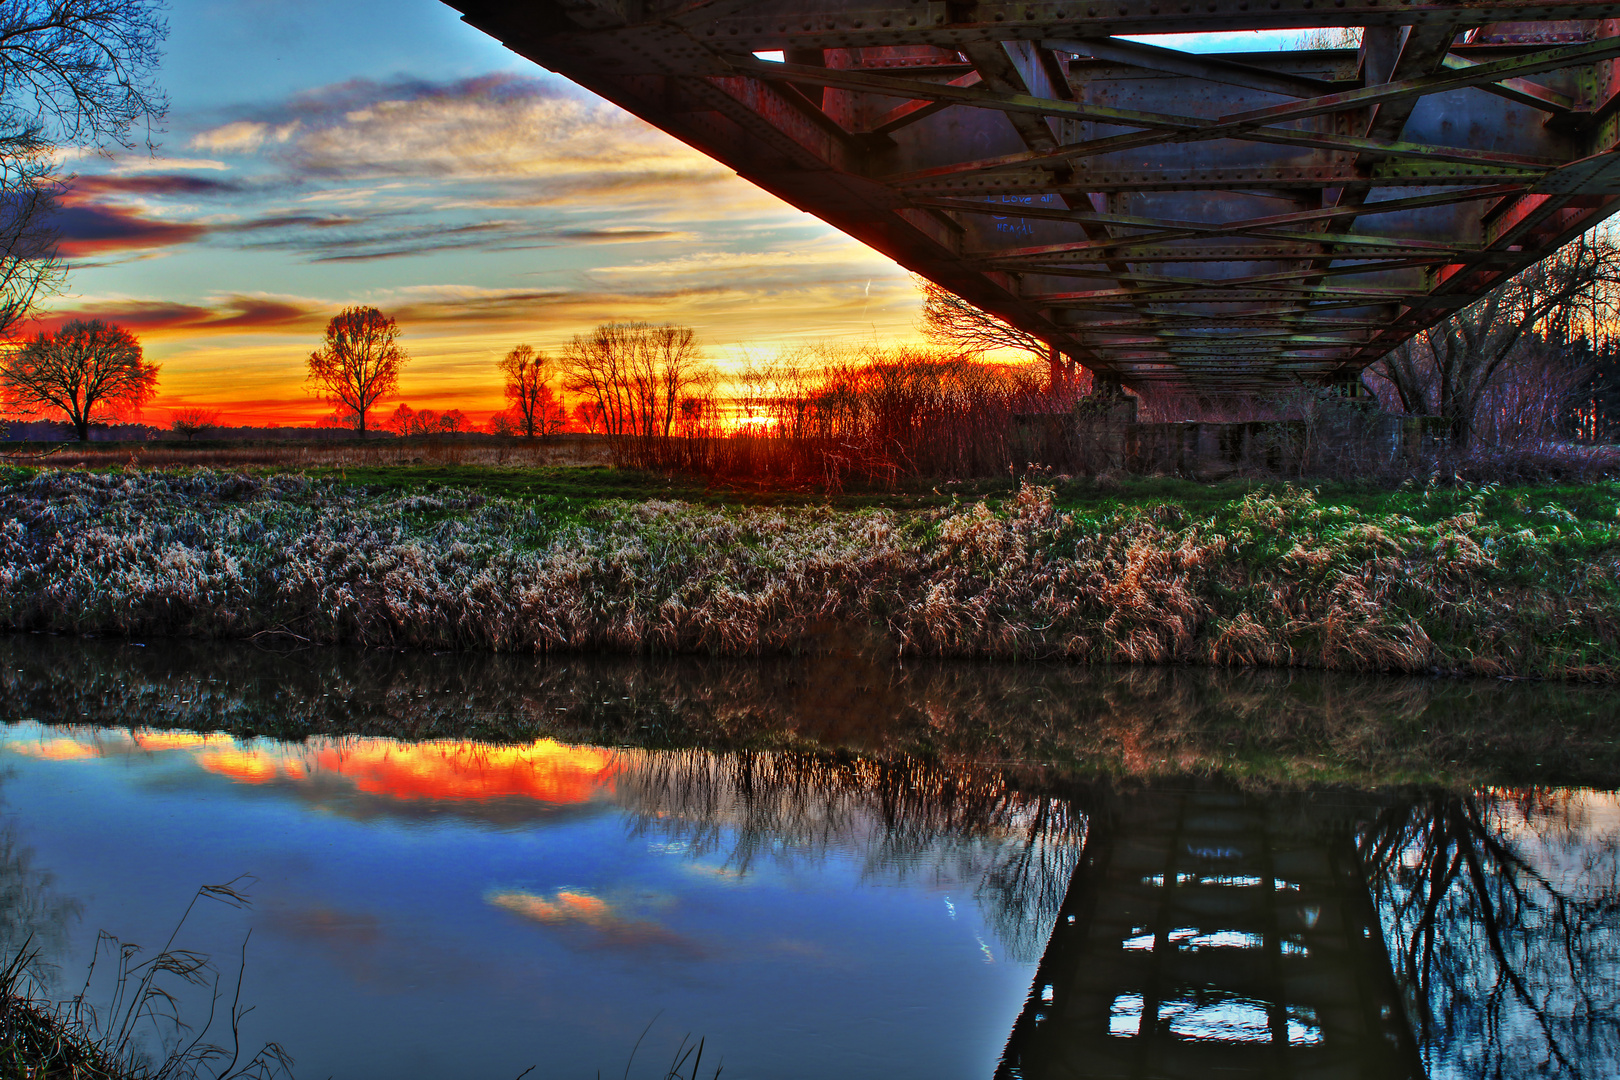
(1283, 581)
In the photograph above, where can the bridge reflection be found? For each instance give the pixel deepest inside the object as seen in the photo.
(1206, 932)
(1211, 933)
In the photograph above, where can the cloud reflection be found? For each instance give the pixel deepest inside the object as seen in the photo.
(441, 771)
(591, 920)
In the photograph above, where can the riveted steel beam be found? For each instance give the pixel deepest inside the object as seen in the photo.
(1232, 219)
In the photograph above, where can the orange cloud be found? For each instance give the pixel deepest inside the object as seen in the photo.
(235, 314)
(544, 771)
(599, 921)
(56, 750)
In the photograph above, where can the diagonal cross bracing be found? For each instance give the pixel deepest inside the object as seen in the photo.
(1222, 222)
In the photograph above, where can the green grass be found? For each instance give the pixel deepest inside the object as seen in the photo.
(1519, 505)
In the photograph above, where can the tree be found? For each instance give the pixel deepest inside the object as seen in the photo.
(90, 370)
(635, 374)
(588, 417)
(403, 421)
(453, 422)
(192, 422)
(359, 363)
(1451, 369)
(952, 323)
(72, 72)
(535, 408)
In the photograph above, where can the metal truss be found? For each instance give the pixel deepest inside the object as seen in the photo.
(1220, 222)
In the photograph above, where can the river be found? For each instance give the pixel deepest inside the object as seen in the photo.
(465, 866)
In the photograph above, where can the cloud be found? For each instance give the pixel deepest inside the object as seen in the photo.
(590, 920)
(136, 164)
(366, 241)
(370, 171)
(243, 136)
(231, 314)
(536, 140)
(145, 184)
(92, 229)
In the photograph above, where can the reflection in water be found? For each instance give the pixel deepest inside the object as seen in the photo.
(1164, 847)
(1258, 728)
(33, 915)
(544, 772)
(1503, 910)
(951, 824)
(1209, 931)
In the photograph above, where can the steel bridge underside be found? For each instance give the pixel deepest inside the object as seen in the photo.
(1218, 223)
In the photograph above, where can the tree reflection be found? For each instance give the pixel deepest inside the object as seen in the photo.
(33, 915)
(957, 824)
(1502, 911)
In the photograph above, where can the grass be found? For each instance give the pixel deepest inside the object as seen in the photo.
(1457, 580)
(44, 1039)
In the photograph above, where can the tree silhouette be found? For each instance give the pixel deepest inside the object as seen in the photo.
(534, 406)
(90, 370)
(72, 72)
(359, 363)
(192, 422)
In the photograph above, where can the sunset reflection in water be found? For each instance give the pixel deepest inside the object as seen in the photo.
(460, 901)
(545, 770)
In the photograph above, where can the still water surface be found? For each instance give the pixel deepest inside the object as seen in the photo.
(465, 866)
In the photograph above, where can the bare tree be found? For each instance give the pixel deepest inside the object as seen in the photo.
(1451, 369)
(89, 370)
(192, 422)
(29, 266)
(951, 322)
(403, 421)
(636, 376)
(71, 72)
(81, 71)
(359, 363)
(1503, 916)
(535, 408)
(453, 422)
(588, 415)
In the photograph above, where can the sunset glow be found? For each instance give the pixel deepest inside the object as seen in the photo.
(545, 771)
(387, 154)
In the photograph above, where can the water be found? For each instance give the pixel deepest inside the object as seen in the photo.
(465, 866)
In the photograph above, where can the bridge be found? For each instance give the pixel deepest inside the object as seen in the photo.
(1205, 933)
(1214, 222)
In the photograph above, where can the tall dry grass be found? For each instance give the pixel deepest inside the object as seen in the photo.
(476, 450)
(824, 415)
(1284, 581)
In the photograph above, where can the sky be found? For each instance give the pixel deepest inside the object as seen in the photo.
(321, 155)
(382, 152)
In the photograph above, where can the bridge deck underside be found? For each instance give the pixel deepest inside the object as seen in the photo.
(1221, 223)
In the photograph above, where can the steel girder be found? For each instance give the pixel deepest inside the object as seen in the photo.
(1218, 222)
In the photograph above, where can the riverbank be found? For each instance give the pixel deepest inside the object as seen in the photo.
(1520, 582)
